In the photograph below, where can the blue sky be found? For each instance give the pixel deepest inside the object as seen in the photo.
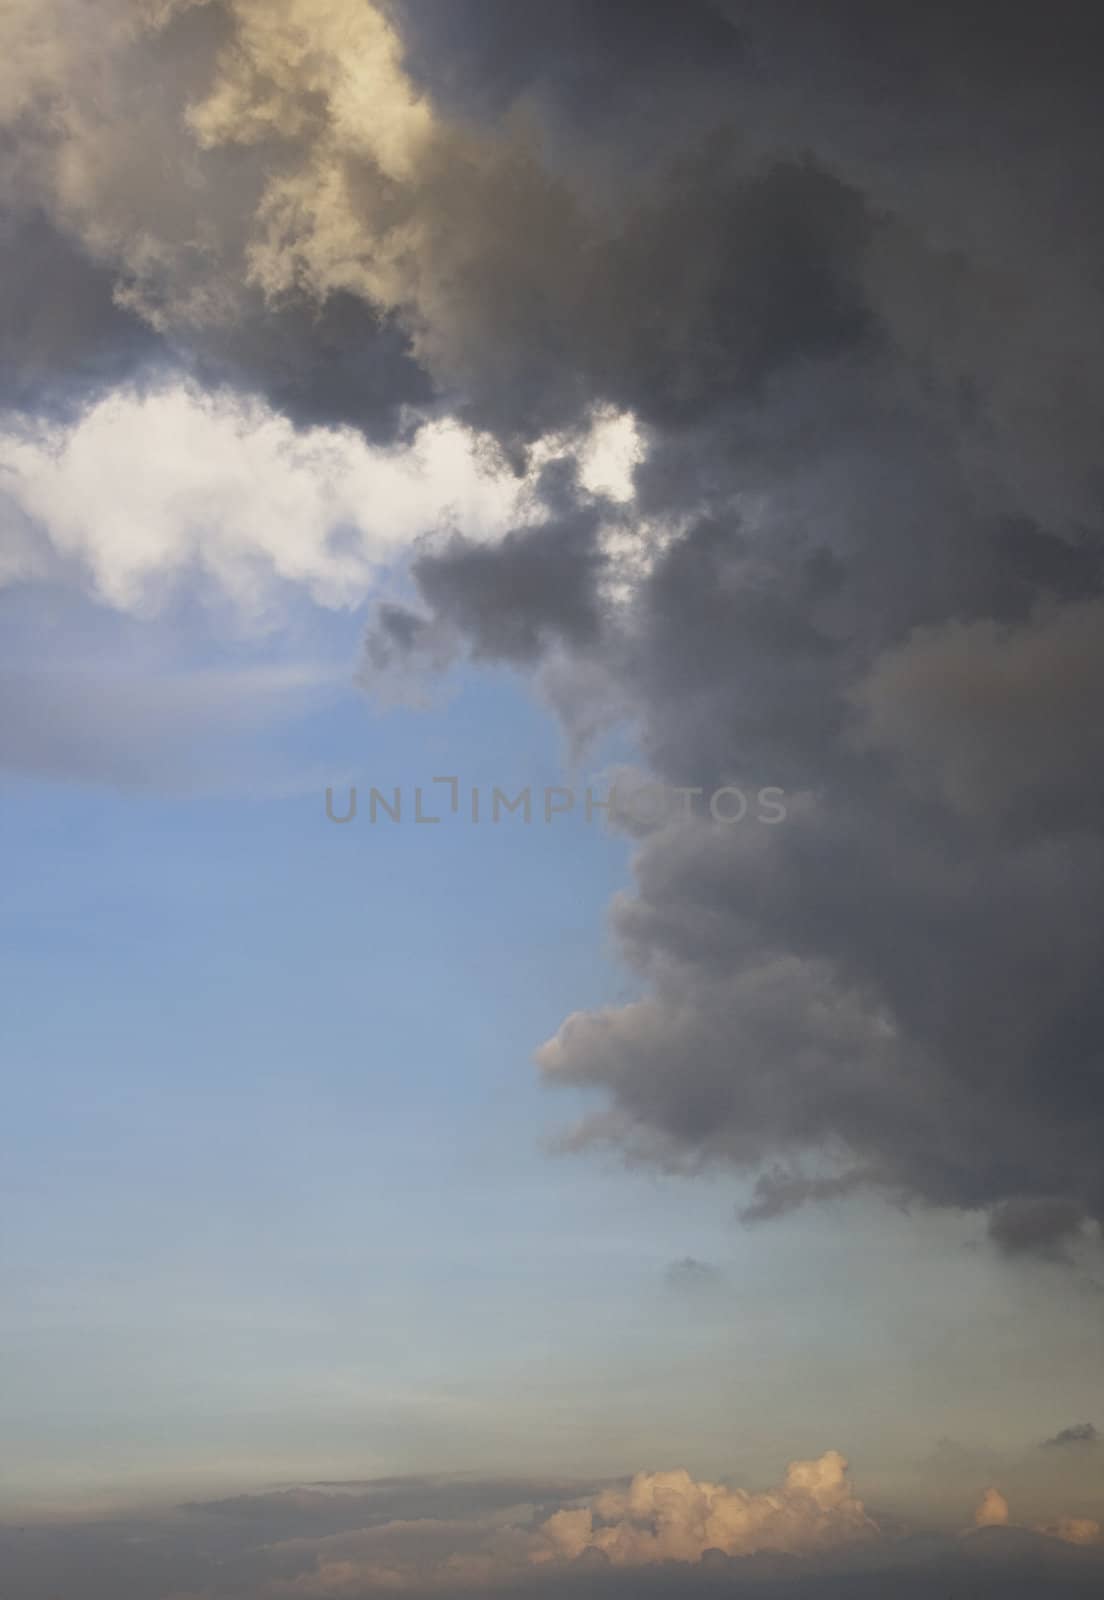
(278, 1161)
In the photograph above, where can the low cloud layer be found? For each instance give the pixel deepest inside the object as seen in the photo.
(660, 1534)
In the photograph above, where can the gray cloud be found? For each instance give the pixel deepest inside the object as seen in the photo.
(1036, 1225)
(985, 710)
(1081, 1433)
(62, 335)
(536, 587)
(872, 418)
(908, 991)
(691, 1276)
(576, 60)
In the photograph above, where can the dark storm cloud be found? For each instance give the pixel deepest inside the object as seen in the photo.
(538, 586)
(480, 56)
(65, 338)
(1041, 1226)
(681, 295)
(338, 363)
(62, 335)
(867, 359)
(779, 1192)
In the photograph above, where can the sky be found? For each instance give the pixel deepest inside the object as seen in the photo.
(551, 638)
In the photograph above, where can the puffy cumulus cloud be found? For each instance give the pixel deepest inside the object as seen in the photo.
(172, 137)
(298, 66)
(659, 1518)
(993, 1511)
(107, 143)
(668, 1516)
(92, 114)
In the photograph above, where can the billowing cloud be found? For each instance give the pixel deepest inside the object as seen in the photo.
(658, 1518)
(984, 710)
(667, 1516)
(992, 1510)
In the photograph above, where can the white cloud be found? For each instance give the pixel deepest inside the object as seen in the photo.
(146, 488)
(992, 1510)
(610, 454)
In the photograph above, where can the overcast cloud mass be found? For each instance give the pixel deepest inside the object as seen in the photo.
(734, 374)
